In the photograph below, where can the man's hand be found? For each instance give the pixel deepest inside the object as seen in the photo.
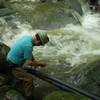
(34, 63)
(42, 64)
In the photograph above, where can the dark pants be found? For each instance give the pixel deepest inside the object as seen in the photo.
(22, 75)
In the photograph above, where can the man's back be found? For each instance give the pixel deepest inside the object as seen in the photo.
(21, 50)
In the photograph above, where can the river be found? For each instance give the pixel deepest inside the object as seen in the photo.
(69, 46)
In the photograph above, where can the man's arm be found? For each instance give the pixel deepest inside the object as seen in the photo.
(33, 58)
(30, 60)
(34, 63)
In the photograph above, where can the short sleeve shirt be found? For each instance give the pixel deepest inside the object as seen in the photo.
(21, 51)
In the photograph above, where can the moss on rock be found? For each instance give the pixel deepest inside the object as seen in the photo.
(61, 95)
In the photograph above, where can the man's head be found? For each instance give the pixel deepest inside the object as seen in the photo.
(41, 39)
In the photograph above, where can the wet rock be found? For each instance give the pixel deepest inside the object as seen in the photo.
(3, 90)
(91, 81)
(4, 79)
(87, 77)
(75, 5)
(48, 0)
(47, 15)
(42, 90)
(6, 11)
(14, 95)
(2, 3)
(4, 49)
(8, 92)
(61, 95)
(99, 3)
(71, 4)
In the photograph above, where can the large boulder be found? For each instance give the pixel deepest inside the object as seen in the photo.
(47, 15)
(4, 79)
(87, 76)
(91, 81)
(4, 8)
(2, 3)
(8, 86)
(61, 95)
(4, 49)
(75, 5)
(99, 3)
(8, 92)
(6, 11)
(14, 95)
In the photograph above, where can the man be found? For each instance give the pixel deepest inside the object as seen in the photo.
(21, 53)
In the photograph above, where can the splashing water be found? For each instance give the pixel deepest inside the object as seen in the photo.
(72, 44)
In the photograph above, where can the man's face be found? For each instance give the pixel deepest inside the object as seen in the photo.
(38, 43)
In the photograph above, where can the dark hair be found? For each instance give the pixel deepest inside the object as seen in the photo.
(37, 37)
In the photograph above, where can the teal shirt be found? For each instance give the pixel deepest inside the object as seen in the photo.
(21, 51)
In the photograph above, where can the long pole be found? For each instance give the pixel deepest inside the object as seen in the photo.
(61, 84)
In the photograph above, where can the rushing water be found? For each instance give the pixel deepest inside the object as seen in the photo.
(69, 46)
